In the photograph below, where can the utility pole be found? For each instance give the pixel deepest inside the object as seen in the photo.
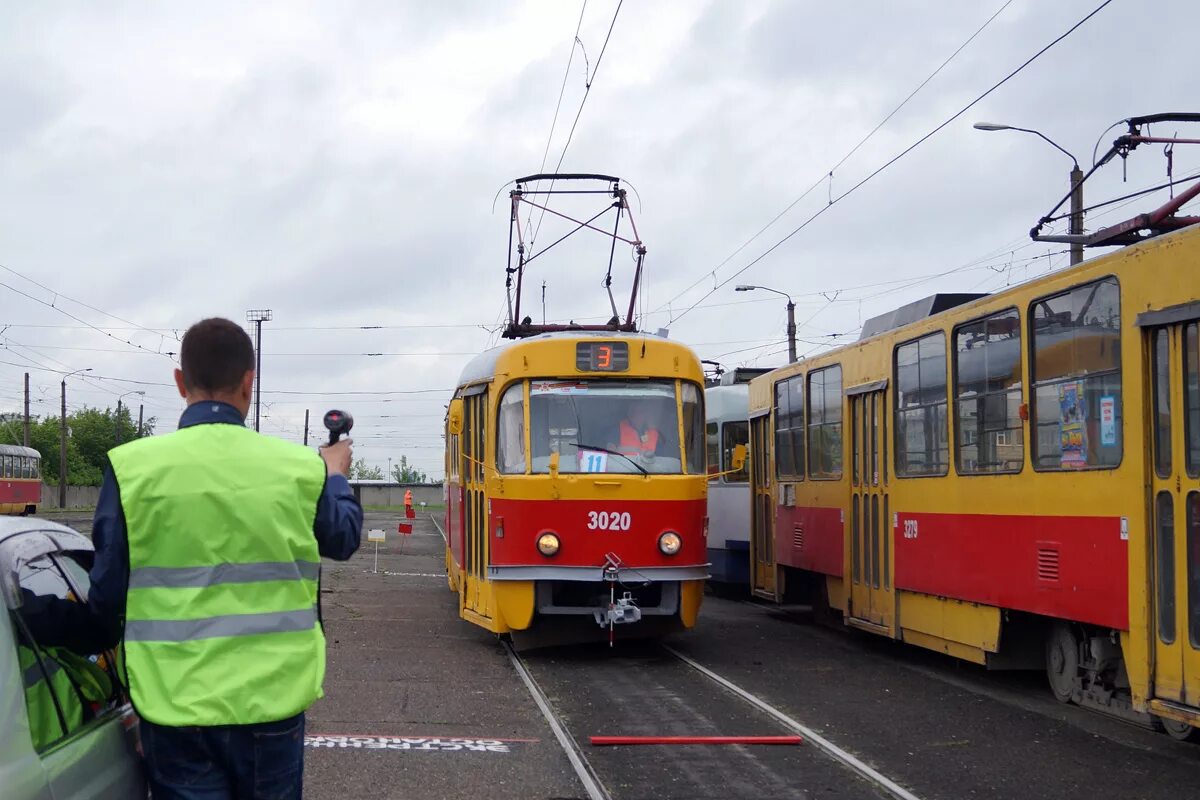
(791, 316)
(1076, 226)
(141, 407)
(119, 399)
(791, 331)
(1076, 213)
(306, 427)
(62, 451)
(258, 316)
(26, 442)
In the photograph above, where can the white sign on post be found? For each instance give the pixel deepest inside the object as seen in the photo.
(376, 535)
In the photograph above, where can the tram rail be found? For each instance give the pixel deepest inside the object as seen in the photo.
(590, 775)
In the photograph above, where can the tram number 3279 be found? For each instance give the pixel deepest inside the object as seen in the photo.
(609, 520)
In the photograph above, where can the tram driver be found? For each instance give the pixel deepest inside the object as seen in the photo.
(639, 435)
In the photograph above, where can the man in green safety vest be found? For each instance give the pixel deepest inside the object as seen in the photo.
(208, 546)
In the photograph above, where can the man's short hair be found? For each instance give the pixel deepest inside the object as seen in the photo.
(215, 355)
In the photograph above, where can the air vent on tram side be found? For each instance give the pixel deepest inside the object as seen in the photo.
(798, 537)
(1047, 563)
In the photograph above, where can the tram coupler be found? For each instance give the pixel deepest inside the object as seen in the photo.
(621, 611)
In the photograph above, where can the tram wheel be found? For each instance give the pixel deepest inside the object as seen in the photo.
(1180, 731)
(1062, 662)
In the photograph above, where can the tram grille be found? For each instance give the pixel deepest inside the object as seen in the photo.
(798, 537)
(1047, 564)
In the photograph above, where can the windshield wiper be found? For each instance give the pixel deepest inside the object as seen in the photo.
(639, 467)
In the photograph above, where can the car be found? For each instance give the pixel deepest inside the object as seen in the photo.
(80, 740)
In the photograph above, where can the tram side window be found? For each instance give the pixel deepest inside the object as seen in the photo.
(691, 399)
(825, 423)
(922, 443)
(712, 447)
(987, 390)
(1076, 373)
(789, 428)
(733, 434)
(510, 430)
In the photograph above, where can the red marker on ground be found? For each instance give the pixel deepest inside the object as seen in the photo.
(600, 741)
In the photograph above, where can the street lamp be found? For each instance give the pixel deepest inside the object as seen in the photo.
(62, 442)
(1076, 228)
(119, 399)
(791, 316)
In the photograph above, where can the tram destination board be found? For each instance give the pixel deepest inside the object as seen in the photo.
(602, 356)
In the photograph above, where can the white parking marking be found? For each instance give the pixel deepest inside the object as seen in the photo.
(410, 574)
(431, 744)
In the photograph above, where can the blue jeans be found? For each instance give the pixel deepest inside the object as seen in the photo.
(247, 762)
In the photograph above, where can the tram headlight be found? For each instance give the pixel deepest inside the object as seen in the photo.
(547, 544)
(669, 543)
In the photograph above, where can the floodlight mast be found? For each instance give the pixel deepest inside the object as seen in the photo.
(520, 327)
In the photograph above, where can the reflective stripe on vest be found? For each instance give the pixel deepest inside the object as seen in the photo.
(190, 630)
(200, 577)
(34, 675)
(221, 624)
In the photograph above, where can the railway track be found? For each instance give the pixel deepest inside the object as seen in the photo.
(653, 689)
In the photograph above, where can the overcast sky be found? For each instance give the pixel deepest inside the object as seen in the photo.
(338, 163)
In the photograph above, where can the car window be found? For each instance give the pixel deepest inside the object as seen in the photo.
(64, 691)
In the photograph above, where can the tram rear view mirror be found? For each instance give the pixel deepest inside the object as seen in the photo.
(454, 418)
(738, 460)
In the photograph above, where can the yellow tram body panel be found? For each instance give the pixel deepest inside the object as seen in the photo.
(1049, 437)
(503, 495)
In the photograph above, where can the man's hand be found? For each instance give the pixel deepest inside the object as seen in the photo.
(337, 457)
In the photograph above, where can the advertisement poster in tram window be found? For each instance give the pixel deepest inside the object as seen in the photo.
(1072, 425)
(1108, 421)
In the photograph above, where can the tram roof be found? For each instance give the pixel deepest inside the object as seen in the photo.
(483, 366)
(17, 450)
(727, 402)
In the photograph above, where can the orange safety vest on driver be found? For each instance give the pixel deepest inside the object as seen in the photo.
(634, 443)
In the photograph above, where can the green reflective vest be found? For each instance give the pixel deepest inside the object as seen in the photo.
(45, 726)
(221, 613)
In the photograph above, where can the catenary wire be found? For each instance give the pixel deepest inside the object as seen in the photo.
(835, 200)
(846, 157)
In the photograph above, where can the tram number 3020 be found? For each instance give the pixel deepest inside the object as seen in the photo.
(609, 520)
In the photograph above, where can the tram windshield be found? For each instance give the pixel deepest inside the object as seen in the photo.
(603, 426)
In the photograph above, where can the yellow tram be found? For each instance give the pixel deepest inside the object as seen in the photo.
(1012, 479)
(575, 484)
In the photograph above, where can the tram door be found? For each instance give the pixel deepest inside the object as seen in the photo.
(763, 569)
(1174, 359)
(871, 598)
(475, 596)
